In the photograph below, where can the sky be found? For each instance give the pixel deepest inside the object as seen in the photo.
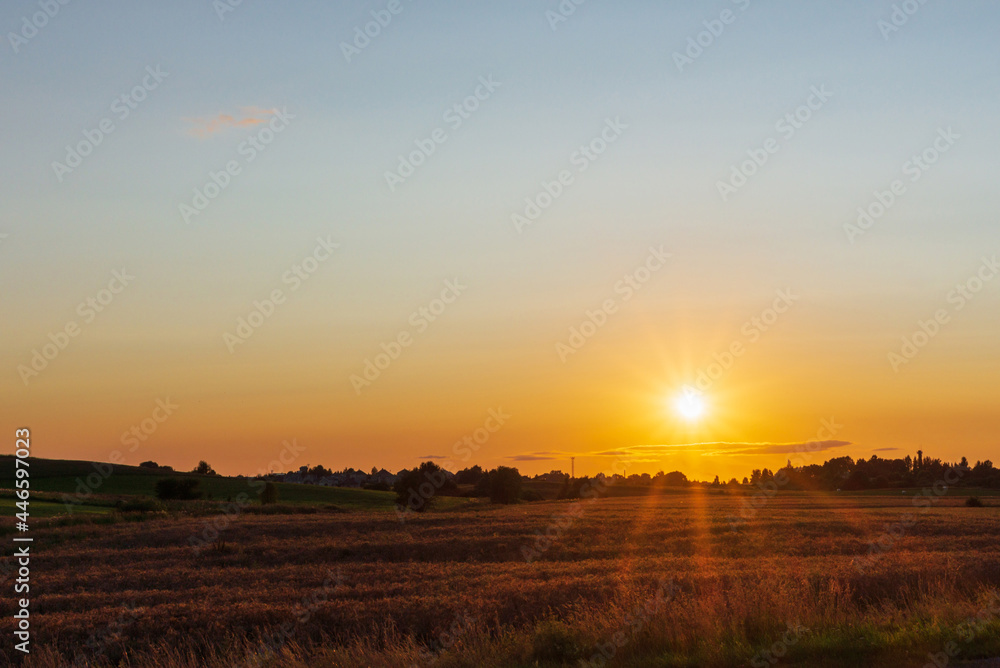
(500, 233)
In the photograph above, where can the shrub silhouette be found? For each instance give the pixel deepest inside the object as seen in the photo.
(555, 641)
(269, 494)
(137, 505)
(532, 495)
(505, 485)
(974, 502)
(470, 476)
(182, 489)
(578, 488)
(204, 468)
(415, 488)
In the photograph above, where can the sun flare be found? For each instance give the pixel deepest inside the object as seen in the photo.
(690, 405)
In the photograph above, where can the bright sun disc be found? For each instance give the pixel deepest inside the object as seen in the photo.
(690, 405)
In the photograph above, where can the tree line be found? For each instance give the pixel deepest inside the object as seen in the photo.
(416, 487)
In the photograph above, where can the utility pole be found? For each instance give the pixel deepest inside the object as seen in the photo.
(572, 467)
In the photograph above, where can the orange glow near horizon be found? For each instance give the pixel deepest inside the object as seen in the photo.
(606, 408)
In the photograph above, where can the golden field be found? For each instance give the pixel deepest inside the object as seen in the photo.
(662, 580)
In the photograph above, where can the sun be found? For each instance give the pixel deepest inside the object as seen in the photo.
(690, 405)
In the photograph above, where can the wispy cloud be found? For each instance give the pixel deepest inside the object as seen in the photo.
(652, 452)
(536, 457)
(204, 127)
(776, 448)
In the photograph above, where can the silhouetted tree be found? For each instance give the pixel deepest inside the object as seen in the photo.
(675, 479)
(183, 489)
(505, 485)
(469, 476)
(204, 469)
(415, 488)
(269, 494)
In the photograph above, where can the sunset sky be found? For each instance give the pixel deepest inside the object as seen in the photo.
(609, 122)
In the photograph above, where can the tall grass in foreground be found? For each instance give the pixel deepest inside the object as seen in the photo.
(720, 630)
(655, 582)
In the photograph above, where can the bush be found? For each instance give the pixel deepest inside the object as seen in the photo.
(270, 494)
(576, 488)
(470, 476)
(204, 468)
(482, 487)
(181, 489)
(140, 505)
(505, 485)
(531, 495)
(555, 641)
(974, 502)
(149, 465)
(415, 488)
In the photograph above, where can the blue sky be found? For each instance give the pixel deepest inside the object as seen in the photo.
(325, 175)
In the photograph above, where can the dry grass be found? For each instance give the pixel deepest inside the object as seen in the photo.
(357, 589)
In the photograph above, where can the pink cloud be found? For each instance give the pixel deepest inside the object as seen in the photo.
(206, 127)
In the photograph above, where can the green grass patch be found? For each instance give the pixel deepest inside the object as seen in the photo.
(48, 509)
(71, 477)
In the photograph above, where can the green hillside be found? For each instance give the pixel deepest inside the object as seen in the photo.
(71, 477)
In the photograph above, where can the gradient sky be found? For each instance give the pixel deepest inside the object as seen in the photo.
(495, 347)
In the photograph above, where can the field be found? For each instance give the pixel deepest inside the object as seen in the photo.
(633, 581)
(71, 477)
(49, 508)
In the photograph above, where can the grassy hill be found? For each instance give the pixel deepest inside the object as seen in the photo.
(65, 476)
